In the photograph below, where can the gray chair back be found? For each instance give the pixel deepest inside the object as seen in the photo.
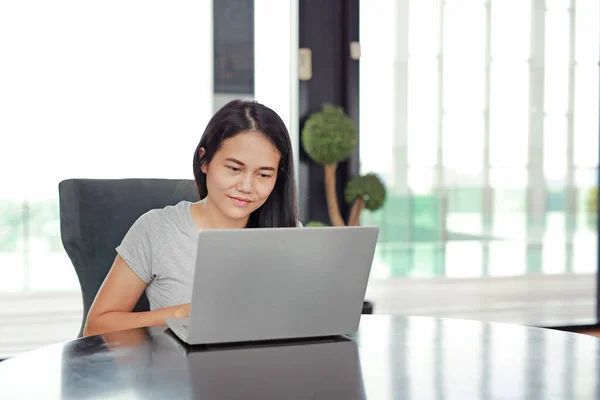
(95, 215)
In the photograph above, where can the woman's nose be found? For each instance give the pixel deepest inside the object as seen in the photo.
(245, 184)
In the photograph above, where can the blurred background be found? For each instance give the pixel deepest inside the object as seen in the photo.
(481, 118)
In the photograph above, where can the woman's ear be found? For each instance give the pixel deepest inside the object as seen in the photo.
(201, 153)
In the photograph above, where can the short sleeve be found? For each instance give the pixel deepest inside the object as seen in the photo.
(136, 248)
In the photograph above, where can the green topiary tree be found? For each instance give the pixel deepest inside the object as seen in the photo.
(330, 137)
(364, 191)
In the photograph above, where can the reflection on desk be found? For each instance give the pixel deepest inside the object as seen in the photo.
(322, 369)
(388, 358)
(154, 363)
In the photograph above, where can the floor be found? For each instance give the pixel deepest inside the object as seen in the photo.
(538, 300)
(32, 320)
(29, 321)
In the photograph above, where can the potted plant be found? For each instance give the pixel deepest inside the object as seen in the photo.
(364, 191)
(329, 137)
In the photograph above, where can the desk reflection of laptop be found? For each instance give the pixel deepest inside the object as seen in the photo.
(315, 369)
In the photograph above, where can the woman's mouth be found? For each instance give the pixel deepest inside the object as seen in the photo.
(239, 201)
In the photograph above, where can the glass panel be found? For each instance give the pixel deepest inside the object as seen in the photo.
(462, 177)
(587, 32)
(553, 241)
(509, 44)
(422, 111)
(585, 251)
(510, 201)
(147, 83)
(507, 258)
(50, 267)
(586, 181)
(509, 113)
(556, 63)
(586, 203)
(463, 134)
(557, 201)
(554, 256)
(555, 148)
(428, 260)
(11, 246)
(274, 32)
(556, 220)
(464, 260)
(510, 227)
(11, 226)
(513, 237)
(586, 115)
(424, 35)
(380, 268)
(464, 56)
(462, 224)
(559, 5)
(464, 200)
(399, 211)
(426, 218)
(13, 273)
(421, 180)
(461, 2)
(586, 177)
(508, 177)
(376, 93)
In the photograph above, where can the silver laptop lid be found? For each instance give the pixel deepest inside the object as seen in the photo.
(258, 284)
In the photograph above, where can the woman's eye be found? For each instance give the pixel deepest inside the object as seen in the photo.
(264, 175)
(235, 169)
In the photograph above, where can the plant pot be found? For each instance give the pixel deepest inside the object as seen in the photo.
(367, 307)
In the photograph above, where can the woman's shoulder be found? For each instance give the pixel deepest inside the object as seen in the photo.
(181, 208)
(176, 213)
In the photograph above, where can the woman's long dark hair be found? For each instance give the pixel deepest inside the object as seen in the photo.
(239, 116)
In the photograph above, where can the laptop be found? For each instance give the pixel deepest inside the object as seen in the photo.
(253, 285)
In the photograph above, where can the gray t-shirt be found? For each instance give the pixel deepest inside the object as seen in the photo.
(160, 247)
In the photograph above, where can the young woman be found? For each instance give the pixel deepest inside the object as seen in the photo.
(244, 171)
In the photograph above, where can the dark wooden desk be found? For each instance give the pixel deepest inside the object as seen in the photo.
(388, 358)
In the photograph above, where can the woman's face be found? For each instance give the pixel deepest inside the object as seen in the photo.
(242, 174)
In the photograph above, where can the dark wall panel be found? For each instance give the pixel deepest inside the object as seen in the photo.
(327, 27)
(233, 30)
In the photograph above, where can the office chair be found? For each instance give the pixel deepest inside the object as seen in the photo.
(95, 215)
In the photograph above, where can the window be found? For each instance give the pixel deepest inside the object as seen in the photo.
(80, 100)
(492, 115)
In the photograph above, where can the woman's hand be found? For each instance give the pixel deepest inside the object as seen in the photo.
(182, 311)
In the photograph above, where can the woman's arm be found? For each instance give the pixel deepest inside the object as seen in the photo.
(118, 295)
